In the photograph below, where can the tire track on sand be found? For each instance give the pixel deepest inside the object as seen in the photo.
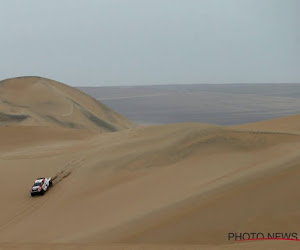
(29, 204)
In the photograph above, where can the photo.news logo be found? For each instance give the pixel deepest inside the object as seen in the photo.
(247, 236)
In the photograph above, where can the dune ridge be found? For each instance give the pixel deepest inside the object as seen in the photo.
(43, 102)
(283, 124)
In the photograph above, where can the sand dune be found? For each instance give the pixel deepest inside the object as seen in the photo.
(174, 184)
(179, 186)
(283, 124)
(40, 101)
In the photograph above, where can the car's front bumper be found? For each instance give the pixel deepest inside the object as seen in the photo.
(33, 193)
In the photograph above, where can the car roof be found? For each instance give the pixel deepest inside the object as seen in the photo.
(39, 180)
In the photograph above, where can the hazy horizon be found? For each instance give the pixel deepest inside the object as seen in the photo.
(149, 84)
(126, 43)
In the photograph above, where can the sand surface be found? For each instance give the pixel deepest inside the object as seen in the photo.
(176, 185)
(179, 186)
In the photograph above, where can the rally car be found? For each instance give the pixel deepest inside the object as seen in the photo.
(40, 186)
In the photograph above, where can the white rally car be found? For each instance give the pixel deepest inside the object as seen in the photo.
(40, 186)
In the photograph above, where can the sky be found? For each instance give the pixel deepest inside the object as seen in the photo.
(142, 42)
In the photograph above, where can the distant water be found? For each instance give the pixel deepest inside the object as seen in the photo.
(224, 104)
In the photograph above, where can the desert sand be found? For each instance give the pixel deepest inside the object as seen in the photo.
(122, 186)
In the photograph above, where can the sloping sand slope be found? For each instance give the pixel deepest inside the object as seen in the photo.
(283, 124)
(180, 186)
(39, 101)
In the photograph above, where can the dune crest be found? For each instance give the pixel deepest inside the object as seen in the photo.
(289, 124)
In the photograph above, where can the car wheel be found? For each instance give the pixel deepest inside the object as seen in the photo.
(42, 192)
